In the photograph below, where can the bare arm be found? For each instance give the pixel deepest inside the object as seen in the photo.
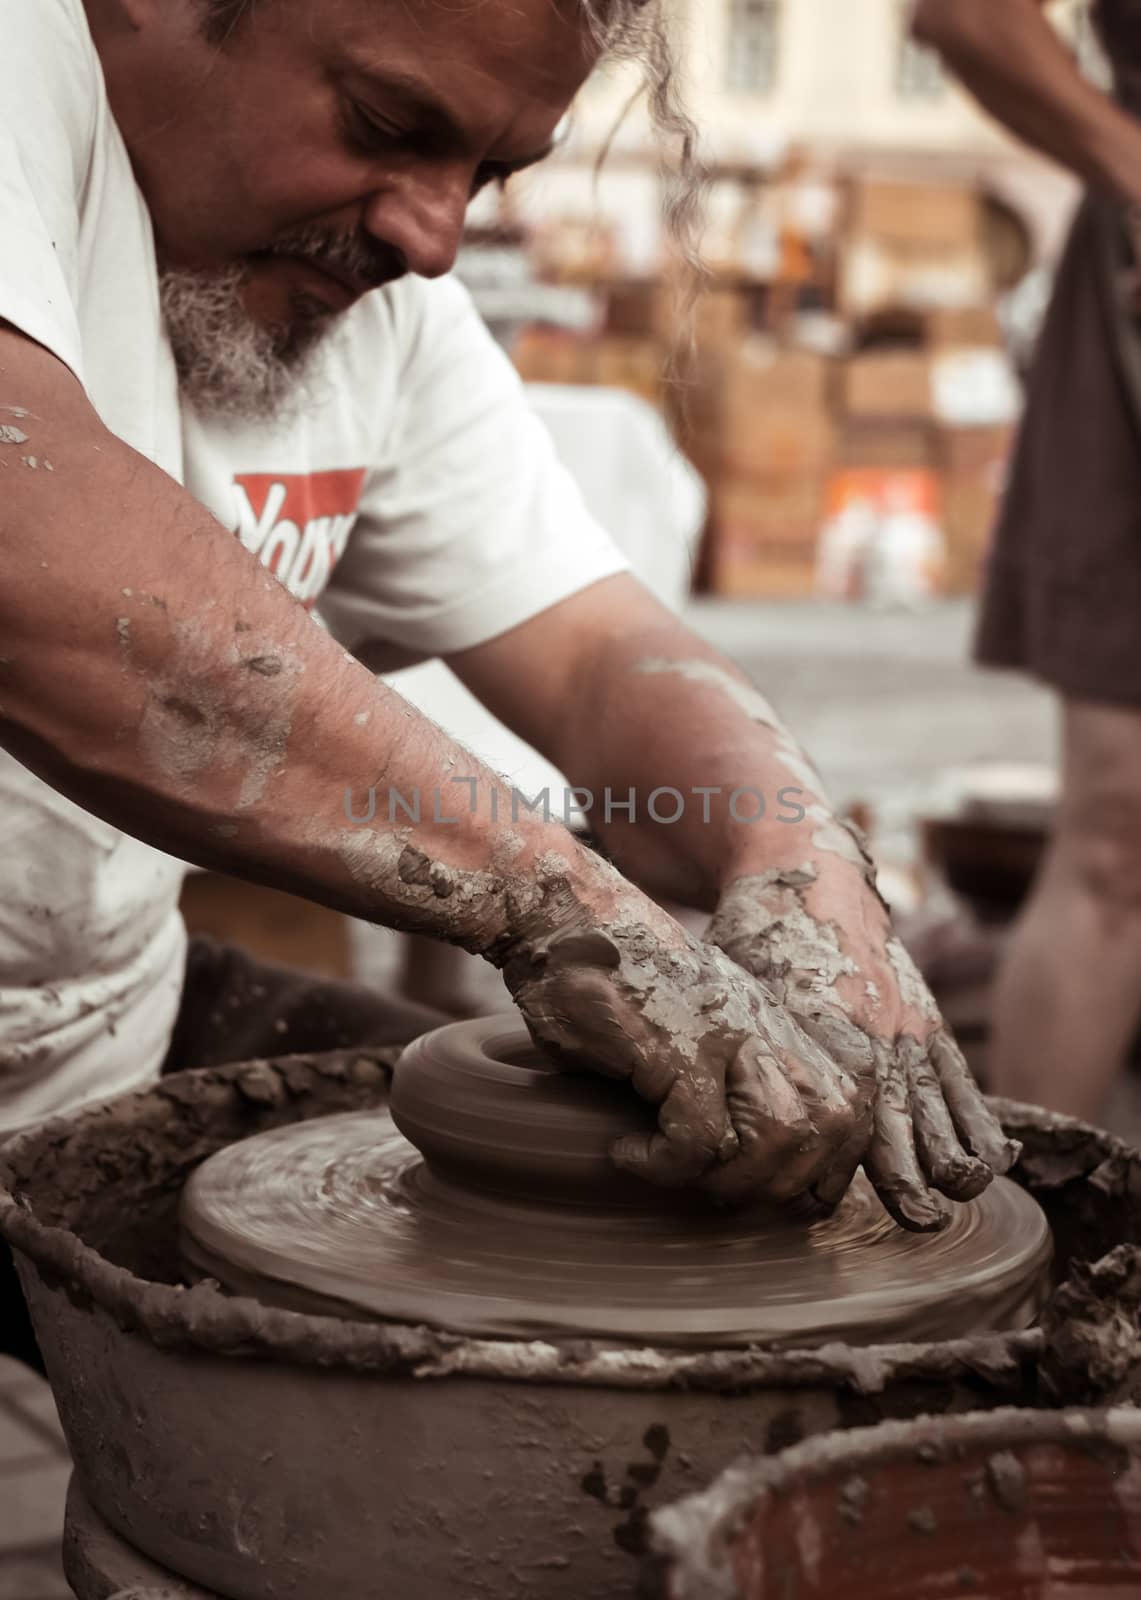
(1012, 61)
(151, 670)
(622, 696)
(625, 698)
(156, 674)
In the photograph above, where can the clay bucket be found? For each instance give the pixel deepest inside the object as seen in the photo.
(265, 1453)
(1010, 1505)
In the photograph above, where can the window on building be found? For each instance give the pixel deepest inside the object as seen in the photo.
(753, 46)
(919, 72)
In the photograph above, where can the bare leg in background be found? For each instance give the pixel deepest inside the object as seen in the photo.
(1068, 998)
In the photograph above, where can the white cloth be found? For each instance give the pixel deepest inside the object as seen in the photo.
(91, 944)
(635, 483)
(419, 486)
(416, 497)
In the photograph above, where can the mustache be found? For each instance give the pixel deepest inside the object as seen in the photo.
(365, 260)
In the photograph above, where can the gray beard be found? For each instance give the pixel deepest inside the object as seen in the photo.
(230, 366)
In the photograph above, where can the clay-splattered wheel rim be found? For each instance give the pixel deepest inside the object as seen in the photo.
(1001, 1503)
(342, 1215)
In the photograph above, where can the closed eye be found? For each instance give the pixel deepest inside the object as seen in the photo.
(366, 135)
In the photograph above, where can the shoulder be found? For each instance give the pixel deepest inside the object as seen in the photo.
(50, 74)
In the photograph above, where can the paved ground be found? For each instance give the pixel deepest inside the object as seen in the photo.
(883, 702)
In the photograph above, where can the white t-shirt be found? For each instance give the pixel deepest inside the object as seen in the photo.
(416, 498)
(91, 944)
(417, 501)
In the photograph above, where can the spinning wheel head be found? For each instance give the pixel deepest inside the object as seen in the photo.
(514, 1224)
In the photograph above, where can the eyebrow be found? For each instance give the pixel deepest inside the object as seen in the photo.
(432, 112)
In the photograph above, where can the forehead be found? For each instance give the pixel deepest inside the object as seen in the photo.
(482, 66)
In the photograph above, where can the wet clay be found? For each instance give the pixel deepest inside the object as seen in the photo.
(91, 1202)
(490, 1468)
(929, 1128)
(516, 1225)
(1008, 1505)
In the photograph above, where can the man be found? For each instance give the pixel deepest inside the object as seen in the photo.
(305, 166)
(1063, 597)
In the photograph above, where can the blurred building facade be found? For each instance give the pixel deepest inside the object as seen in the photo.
(841, 82)
(849, 392)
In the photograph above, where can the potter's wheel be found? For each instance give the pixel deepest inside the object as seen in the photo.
(513, 1223)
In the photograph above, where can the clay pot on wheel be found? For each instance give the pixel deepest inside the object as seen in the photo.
(259, 1451)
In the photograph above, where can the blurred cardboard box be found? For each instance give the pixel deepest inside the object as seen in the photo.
(614, 361)
(720, 317)
(970, 512)
(761, 376)
(977, 452)
(544, 355)
(913, 245)
(976, 463)
(764, 442)
(758, 514)
(873, 442)
(628, 363)
(963, 327)
(764, 537)
(931, 215)
(888, 384)
(632, 308)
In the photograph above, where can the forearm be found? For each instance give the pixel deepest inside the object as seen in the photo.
(156, 674)
(1012, 61)
(663, 711)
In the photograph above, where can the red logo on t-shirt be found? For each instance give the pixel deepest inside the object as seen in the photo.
(298, 524)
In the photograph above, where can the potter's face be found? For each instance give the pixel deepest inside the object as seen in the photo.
(347, 136)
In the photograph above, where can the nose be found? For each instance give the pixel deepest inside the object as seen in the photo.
(423, 218)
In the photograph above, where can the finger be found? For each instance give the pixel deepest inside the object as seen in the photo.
(851, 1047)
(778, 1152)
(947, 1165)
(827, 1058)
(832, 1185)
(978, 1127)
(577, 1016)
(694, 1133)
(891, 1162)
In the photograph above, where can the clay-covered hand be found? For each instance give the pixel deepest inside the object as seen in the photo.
(748, 1105)
(832, 960)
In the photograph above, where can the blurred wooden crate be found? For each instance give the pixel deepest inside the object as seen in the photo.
(268, 924)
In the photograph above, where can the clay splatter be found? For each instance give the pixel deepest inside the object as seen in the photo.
(853, 1500)
(1007, 1480)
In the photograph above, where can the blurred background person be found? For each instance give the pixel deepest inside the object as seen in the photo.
(1063, 593)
